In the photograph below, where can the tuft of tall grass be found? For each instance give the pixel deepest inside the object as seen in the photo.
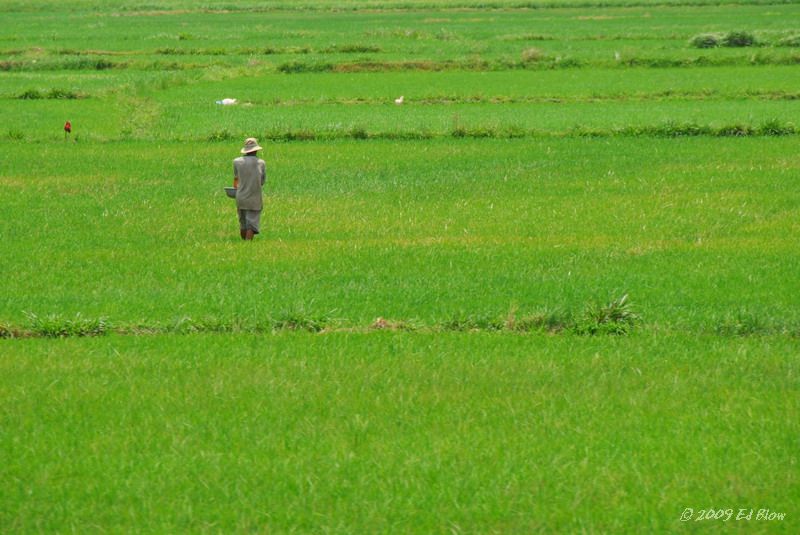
(532, 55)
(734, 39)
(54, 94)
(221, 135)
(57, 326)
(6, 331)
(705, 40)
(616, 317)
(30, 94)
(359, 132)
(15, 134)
(298, 318)
(790, 41)
(774, 127)
(735, 130)
(738, 39)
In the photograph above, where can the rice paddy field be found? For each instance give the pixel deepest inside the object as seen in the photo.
(553, 289)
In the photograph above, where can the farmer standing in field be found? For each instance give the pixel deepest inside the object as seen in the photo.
(249, 176)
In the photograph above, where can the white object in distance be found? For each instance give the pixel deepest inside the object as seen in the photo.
(227, 102)
(399, 101)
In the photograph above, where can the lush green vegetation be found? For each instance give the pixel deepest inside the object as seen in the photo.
(395, 433)
(358, 230)
(553, 290)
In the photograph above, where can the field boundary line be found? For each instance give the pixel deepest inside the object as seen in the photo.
(100, 63)
(404, 6)
(616, 318)
(771, 128)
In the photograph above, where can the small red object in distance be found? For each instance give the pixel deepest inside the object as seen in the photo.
(67, 127)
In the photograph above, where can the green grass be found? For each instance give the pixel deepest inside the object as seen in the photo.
(437, 104)
(355, 433)
(271, 37)
(554, 291)
(358, 230)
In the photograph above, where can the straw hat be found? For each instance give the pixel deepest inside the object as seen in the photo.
(250, 145)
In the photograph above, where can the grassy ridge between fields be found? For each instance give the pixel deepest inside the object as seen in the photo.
(618, 317)
(255, 6)
(478, 65)
(353, 433)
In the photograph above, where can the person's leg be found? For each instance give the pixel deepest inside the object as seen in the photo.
(253, 223)
(242, 224)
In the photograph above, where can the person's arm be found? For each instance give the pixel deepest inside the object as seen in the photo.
(235, 176)
(263, 172)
